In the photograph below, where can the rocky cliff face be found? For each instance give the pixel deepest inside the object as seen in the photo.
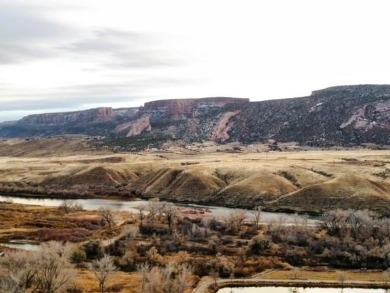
(187, 108)
(223, 126)
(335, 116)
(87, 116)
(345, 115)
(135, 127)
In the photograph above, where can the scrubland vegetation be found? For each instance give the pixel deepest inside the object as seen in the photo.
(160, 249)
(165, 251)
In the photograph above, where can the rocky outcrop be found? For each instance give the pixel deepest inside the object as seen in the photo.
(87, 116)
(222, 127)
(135, 127)
(187, 108)
(370, 116)
(346, 115)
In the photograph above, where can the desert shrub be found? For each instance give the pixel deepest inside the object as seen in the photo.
(233, 251)
(143, 248)
(74, 289)
(68, 207)
(128, 262)
(295, 256)
(203, 268)
(154, 257)
(248, 232)
(197, 233)
(224, 267)
(212, 247)
(62, 235)
(150, 229)
(258, 244)
(216, 225)
(118, 248)
(78, 255)
(242, 272)
(227, 239)
(115, 288)
(93, 249)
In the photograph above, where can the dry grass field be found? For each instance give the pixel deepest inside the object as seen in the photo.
(335, 275)
(118, 282)
(294, 179)
(303, 180)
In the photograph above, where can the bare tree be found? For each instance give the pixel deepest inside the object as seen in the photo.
(64, 206)
(171, 278)
(154, 209)
(102, 269)
(69, 206)
(55, 272)
(21, 269)
(257, 216)
(235, 220)
(358, 220)
(170, 212)
(335, 221)
(141, 209)
(107, 216)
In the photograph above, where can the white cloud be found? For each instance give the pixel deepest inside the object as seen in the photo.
(70, 53)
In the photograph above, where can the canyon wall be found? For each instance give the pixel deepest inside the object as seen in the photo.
(343, 115)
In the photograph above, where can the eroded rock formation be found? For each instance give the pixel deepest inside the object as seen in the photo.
(135, 127)
(87, 116)
(187, 108)
(345, 115)
(223, 126)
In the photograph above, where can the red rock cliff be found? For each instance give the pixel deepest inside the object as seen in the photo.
(186, 108)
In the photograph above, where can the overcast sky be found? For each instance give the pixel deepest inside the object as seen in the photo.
(78, 54)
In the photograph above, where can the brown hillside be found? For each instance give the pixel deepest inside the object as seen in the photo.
(155, 183)
(346, 191)
(192, 183)
(301, 177)
(95, 176)
(178, 183)
(256, 189)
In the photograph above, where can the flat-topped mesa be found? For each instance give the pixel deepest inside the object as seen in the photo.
(86, 116)
(360, 90)
(178, 109)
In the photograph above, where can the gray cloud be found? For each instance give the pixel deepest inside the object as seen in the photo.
(82, 96)
(27, 33)
(14, 53)
(49, 103)
(122, 49)
(23, 30)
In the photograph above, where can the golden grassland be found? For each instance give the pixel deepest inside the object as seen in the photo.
(295, 179)
(361, 276)
(117, 282)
